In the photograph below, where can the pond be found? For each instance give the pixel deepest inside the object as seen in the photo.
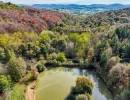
(55, 84)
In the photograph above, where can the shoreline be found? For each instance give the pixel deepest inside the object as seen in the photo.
(30, 91)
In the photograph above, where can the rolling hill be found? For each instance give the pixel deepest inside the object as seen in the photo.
(82, 10)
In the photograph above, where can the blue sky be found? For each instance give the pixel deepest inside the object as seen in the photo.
(85, 2)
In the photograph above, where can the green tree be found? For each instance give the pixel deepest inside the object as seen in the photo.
(9, 54)
(105, 45)
(61, 57)
(127, 50)
(2, 54)
(5, 83)
(16, 68)
(44, 50)
(115, 44)
(104, 59)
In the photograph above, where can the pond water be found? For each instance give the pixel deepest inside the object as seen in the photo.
(55, 84)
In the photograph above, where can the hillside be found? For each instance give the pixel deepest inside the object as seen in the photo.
(42, 38)
(82, 10)
(112, 17)
(14, 18)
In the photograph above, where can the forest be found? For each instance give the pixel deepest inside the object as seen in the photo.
(35, 37)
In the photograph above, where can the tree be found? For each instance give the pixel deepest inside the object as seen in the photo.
(44, 50)
(127, 50)
(90, 54)
(2, 54)
(82, 81)
(62, 44)
(104, 59)
(70, 49)
(105, 45)
(9, 54)
(16, 68)
(5, 83)
(111, 63)
(123, 32)
(116, 73)
(61, 57)
(115, 44)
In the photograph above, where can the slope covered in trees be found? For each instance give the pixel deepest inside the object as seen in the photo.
(26, 19)
(100, 41)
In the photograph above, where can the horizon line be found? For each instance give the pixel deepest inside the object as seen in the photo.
(72, 4)
(67, 3)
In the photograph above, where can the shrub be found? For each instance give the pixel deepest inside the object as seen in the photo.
(34, 74)
(81, 97)
(54, 56)
(5, 83)
(40, 67)
(16, 69)
(61, 57)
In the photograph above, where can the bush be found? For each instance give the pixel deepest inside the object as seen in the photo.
(34, 74)
(40, 67)
(61, 57)
(16, 69)
(5, 83)
(81, 97)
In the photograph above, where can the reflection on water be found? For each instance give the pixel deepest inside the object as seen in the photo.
(55, 83)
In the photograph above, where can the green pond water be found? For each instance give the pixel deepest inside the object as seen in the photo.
(55, 84)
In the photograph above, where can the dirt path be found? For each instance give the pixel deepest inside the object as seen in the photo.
(30, 92)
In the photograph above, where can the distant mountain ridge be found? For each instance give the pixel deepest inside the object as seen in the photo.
(75, 6)
(82, 10)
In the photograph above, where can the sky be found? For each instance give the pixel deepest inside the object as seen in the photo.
(81, 2)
